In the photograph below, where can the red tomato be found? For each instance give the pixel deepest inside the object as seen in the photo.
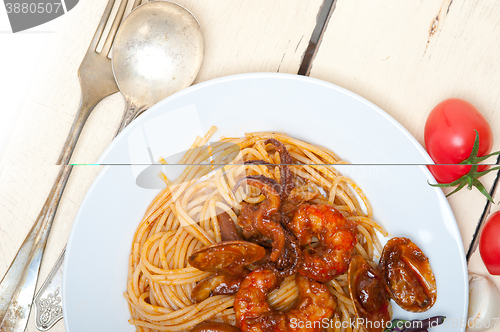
(489, 243)
(449, 136)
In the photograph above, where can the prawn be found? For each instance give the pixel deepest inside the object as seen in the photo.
(337, 240)
(254, 314)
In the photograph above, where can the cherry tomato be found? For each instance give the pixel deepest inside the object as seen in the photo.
(449, 137)
(489, 243)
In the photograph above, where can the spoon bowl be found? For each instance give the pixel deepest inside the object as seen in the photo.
(158, 51)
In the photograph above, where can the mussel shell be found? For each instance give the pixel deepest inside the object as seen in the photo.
(369, 294)
(218, 284)
(227, 256)
(408, 275)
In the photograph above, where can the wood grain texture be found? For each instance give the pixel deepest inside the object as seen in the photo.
(404, 56)
(22, 194)
(240, 37)
(407, 56)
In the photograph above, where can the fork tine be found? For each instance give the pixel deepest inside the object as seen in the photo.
(102, 24)
(114, 28)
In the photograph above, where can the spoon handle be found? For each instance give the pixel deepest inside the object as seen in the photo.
(132, 111)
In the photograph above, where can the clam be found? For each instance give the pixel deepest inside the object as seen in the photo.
(408, 275)
(369, 294)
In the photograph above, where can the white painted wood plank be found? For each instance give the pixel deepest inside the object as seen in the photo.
(241, 37)
(407, 56)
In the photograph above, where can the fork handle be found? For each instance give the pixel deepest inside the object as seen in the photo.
(87, 104)
(18, 285)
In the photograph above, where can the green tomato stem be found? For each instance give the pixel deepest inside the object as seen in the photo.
(471, 178)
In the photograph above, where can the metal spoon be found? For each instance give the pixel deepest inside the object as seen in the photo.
(157, 52)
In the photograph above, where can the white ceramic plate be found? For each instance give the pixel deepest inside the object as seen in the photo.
(95, 267)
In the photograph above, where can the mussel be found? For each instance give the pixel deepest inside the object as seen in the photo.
(408, 275)
(219, 284)
(228, 259)
(227, 256)
(403, 274)
(368, 291)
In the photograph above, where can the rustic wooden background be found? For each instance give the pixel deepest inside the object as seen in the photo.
(404, 56)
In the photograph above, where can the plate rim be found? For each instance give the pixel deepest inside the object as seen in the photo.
(248, 76)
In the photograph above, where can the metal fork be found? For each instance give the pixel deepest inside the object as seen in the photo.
(97, 82)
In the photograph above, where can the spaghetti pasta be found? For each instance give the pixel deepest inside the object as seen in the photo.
(183, 218)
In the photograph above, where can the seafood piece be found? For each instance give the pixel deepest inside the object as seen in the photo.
(286, 177)
(229, 257)
(219, 284)
(297, 197)
(257, 162)
(336, 235)
(228, 229)
(408, 275)
(369, 294)
(253, 313)
(215, 327)
(256, 221)
(288, 262)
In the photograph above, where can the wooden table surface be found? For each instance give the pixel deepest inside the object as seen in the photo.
(404, 56)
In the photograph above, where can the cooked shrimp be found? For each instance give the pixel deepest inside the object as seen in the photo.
(253, 313)
(336, 235)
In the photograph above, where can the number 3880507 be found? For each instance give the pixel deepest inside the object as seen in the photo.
(32, 8)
